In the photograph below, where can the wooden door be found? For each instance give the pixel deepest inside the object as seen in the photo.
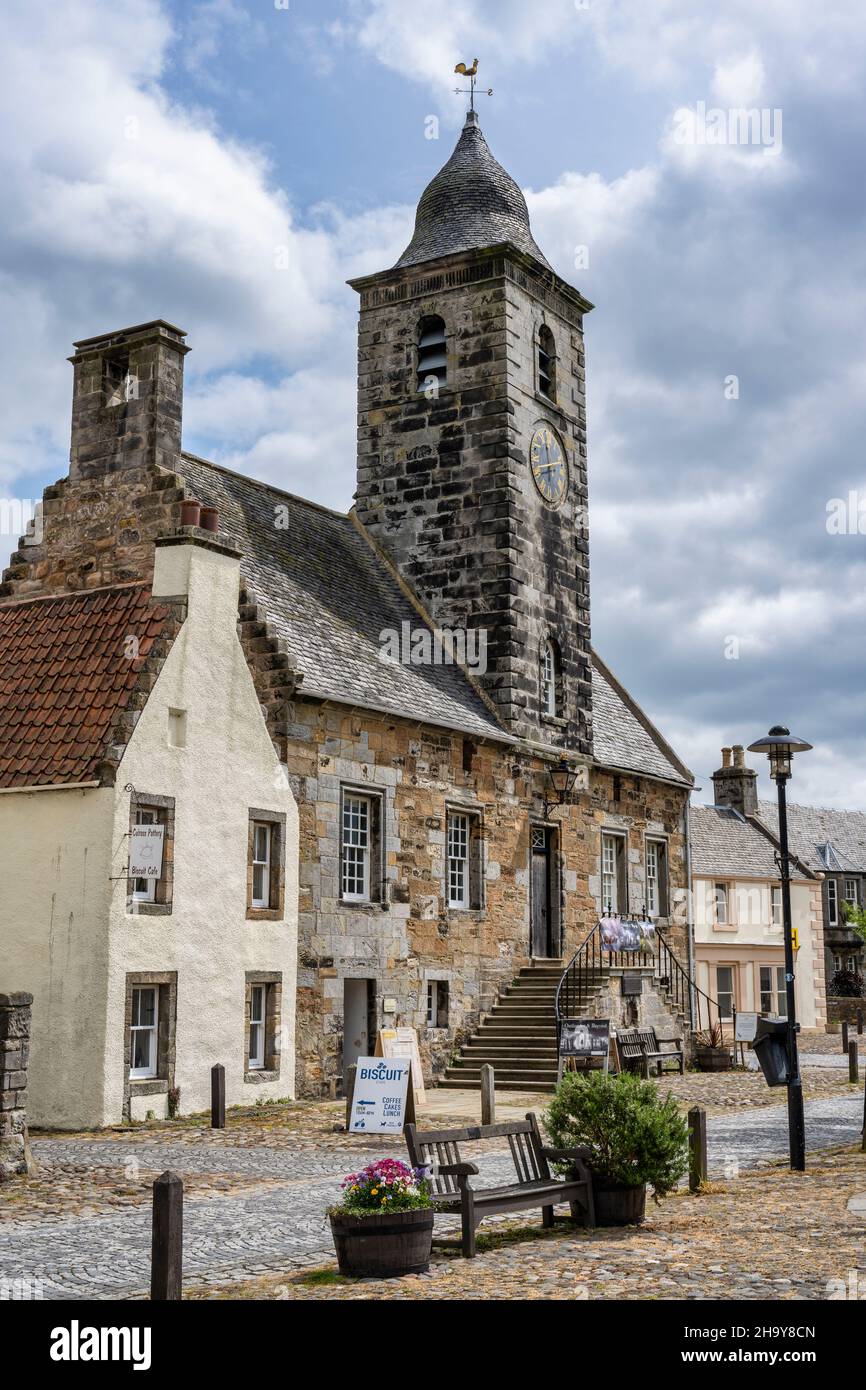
(539, 895)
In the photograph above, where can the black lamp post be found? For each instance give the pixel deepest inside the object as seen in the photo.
(780, 746)
(563, 776)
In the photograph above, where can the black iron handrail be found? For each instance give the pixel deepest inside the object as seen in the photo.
(591, 962)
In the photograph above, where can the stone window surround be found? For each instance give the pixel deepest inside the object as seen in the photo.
(273, 979)
(277, 821)
(477, 862)
(435, 975)
(378, 892)
(429, 310)
(162, 905)
(163, 1082)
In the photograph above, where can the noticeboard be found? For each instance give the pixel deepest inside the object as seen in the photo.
(584, 1037)
(403, 1042)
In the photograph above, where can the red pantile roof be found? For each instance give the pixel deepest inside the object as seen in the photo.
(66, 673)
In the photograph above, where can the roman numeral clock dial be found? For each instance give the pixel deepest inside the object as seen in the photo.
(549, 467)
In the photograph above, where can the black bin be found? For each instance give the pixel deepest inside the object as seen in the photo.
(771, 1048)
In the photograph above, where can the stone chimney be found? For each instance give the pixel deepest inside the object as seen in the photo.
(735, 784)
(127, 400)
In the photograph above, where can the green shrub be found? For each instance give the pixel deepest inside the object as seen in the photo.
(633, 1137)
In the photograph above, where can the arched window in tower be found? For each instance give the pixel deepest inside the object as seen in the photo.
(546, 363)
(549, 674)
(432, 360)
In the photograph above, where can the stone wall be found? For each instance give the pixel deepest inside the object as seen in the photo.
(15, 1156)
(412, 937)
(444, 483)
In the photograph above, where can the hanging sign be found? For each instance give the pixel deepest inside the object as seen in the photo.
(145, 851)
(379, 1097)
(584, 1037)
(403, 1042)
(617, 935)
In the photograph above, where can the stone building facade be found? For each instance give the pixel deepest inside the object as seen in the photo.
(433, 859)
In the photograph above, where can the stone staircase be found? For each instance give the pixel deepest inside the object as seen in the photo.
(518, 1038)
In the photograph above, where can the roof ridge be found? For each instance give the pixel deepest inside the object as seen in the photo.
(7, 604)
(265, 487)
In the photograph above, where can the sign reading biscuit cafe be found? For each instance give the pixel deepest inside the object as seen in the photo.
(379, 1097)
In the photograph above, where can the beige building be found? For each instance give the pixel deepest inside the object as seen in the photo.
(739, 940)
(132, 739)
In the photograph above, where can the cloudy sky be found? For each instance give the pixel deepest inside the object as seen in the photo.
(228, 164)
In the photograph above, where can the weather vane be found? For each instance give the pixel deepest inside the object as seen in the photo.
(470, 73)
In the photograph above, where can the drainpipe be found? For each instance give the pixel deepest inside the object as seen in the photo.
(690, 953)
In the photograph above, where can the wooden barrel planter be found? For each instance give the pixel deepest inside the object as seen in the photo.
(713, 1059)
(616, 1204)
(383, 1247)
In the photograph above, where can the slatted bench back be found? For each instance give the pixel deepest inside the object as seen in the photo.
(629, 1044)
(442, 1147)
(647, 1038)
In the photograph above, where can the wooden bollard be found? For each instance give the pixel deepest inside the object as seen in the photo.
(859, 1021)
(218, 1096)
(853, 1062)
(844, 1035)
(166, 1253)
(488, 1095)
(863, 1131)
(350, 1094)
(697, 1147)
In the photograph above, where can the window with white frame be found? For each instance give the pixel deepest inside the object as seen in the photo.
(776, 905)
(832, 902)
(144, 889)
(356, 846)
(258, 1017)
(774, 998)
(437, 1003)
(613, 887)
(458, 860)
(656, 878)
(144, 1041)
(725, 990)
(720, 904)
(548, 679)
(851, 891)
(263, 833)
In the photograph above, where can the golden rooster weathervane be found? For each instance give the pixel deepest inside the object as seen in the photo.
(470, 73)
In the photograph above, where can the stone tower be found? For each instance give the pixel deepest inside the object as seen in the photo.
(470, 385)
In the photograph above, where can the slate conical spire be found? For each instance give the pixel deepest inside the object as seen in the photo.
(471, 203)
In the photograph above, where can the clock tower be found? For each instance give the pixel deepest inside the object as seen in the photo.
(472, 441)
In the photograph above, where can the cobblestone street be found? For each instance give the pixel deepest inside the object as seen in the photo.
(256, 1192)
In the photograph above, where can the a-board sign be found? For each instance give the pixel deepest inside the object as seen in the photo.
(403, 1042)
(379, 1097)
(145, 851)
(584, 1037)
(747, 1027)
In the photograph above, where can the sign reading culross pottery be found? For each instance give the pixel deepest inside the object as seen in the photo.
(145, 851)
(379, 1098)
(584, 1037)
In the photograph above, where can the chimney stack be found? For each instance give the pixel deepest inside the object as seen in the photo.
(734, 784)
(127, 400)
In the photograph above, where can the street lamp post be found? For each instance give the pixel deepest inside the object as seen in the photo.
(780, 746)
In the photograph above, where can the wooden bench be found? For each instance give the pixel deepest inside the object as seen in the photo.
(630, 1051)
(639, 1049)
(439, 1150)
(653, 1050)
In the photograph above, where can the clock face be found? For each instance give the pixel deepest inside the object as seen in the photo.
(548, 464)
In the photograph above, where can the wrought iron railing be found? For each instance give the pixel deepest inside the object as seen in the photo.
(591, 964)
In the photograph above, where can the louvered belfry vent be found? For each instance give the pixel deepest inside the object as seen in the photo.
(432, 361)
(546, 363)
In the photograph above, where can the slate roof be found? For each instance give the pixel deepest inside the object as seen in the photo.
(724, 844)
(65, 676)
(471, 203)
(810, 828)
(623, 736)
(329, 595)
